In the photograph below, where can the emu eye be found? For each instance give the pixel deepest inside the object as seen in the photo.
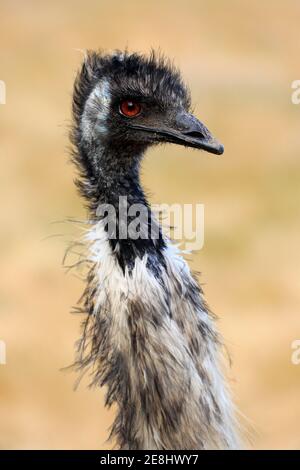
(130, 108)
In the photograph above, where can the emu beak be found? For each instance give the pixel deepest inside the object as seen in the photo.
(189, 131)
(186, 130)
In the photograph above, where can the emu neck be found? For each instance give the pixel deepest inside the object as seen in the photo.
(118, 185)
(119, 175)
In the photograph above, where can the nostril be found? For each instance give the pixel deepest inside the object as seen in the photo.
(196, 134)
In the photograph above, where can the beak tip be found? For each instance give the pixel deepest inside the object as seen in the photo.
(220, 149)
(215, 147)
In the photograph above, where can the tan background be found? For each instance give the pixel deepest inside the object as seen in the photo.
(239, 58)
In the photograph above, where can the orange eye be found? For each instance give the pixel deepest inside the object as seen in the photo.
(130, 108)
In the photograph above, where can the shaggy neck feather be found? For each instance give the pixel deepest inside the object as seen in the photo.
(117, 182)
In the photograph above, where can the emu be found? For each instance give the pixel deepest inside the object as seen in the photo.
(148, 335)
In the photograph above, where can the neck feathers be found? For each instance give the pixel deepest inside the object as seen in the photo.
(151, 341)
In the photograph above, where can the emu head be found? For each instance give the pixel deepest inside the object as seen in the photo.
(131, 101)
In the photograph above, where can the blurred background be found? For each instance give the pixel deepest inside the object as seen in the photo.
(239, 59)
